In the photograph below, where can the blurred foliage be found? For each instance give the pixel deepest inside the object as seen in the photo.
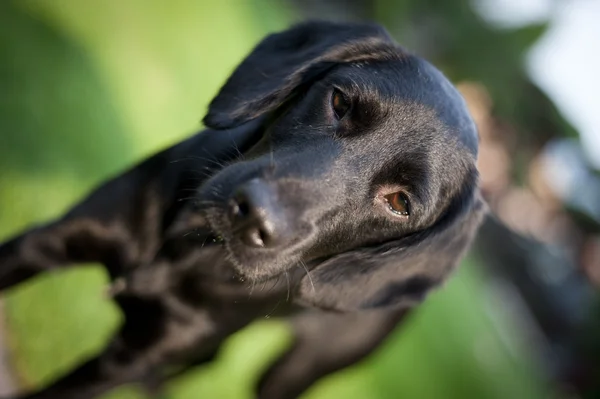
(90, 87)
(456, 38)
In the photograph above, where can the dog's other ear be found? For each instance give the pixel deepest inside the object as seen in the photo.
(284, 61)
(399, 273)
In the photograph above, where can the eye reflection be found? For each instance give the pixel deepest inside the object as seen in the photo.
(340, 104)
(398, 203)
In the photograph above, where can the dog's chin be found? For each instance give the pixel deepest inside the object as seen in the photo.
(251, 265)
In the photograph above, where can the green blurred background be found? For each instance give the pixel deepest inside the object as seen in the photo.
(87, 88)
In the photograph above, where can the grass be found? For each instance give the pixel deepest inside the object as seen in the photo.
(449, 349)
(115, 81)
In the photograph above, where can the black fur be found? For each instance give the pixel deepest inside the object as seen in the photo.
(285, 194)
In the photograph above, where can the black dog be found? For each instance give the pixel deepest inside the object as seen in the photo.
(337, 167)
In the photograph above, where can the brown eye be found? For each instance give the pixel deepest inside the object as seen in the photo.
(340, 104)
(398, 203)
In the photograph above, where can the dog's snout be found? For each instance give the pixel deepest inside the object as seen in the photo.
(257, 218)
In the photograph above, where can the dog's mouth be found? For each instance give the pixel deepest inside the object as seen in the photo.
(214, 238)
(250, 264)
(216, 233)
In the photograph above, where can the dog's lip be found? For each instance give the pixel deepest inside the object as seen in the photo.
(218, 225)
(215, 237)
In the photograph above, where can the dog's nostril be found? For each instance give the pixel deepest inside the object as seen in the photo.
(256, 217)
(239, 209)
(242, 209)
(240, 206)
(254, 238)
(263, 236)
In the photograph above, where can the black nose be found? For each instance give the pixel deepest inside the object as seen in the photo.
(257, 217)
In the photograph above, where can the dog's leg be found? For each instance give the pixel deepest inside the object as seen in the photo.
(60, 244)
(111, 226)
(118, 365)
(108, 371)
(152, 336)
(117, 224)
(122, 221)
(325, 343)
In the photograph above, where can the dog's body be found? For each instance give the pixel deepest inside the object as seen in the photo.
(338, 171)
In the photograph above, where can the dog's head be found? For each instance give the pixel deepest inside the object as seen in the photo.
(363, 170)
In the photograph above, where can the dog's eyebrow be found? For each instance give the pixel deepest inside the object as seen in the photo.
(411, 289)
(412, 170)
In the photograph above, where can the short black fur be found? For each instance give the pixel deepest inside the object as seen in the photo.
(288, 195)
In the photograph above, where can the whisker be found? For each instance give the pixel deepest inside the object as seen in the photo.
(268, 315)
(309, 277)
(186, 198)
(263, 285)
(197, 158)
(235, 146)
(198, 201)
(220, 164)
(207, 202)
(287, 279)
(275, 283)
(252, 288)
(204, 242)
(201, 174)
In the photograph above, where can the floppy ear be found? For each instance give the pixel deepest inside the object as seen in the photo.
(398, 273)
(284, 61)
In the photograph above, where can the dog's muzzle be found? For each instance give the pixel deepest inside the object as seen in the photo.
(258, 217)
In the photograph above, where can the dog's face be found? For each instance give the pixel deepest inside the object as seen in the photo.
(366, 152)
